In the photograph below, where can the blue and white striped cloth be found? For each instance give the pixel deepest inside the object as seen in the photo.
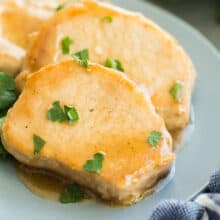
(205, 206)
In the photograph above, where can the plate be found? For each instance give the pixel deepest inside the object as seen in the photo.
(193, 165)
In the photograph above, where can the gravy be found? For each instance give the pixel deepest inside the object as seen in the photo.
(49, 186)
(41, 183)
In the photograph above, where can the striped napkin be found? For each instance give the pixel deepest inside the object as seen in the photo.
(204, 206)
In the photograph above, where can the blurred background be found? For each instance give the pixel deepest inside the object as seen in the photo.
(202, 14)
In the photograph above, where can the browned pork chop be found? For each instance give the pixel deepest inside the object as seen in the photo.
(117, 128)
(11, 57)
(149, 55)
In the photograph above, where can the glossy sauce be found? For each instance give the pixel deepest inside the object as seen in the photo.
(50, 186)
(41, 183)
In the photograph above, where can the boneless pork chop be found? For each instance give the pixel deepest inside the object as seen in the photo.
(148, 55)
(11, 57)
(19, 18)
(94, 126)
(20, 21)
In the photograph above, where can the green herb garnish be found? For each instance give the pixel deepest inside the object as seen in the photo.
(82, 58)
(114, 64)
(38, 144)
(176, 91)
(107, 18)
(154, 138)
(72, 194)
(7, 93)
(66, 43)
(82, 54)
(59, 7)
(83, 63)
(3, 152)
(56, 113)
(94, 165)
(71, 113)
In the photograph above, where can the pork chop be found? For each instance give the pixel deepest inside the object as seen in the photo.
(148, 54)
(117, 146)
(11, 57)
(19, 18)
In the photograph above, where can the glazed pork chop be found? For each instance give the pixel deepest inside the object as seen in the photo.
(19, 18)
(107, 138)
(149, 55)
(11, 57)
(20, 21)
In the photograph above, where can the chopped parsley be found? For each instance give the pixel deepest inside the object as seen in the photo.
(59, 7)
(66, 43)
(72, 194)
(71, 113)
(7, 91)
(154, 138)
(82, 54)
(114, 64)
(107, 18)
(56, 113)
(82, 58)
(94, 165)
(83, 63)
(3, 152)
(176, 91)
(38, 144)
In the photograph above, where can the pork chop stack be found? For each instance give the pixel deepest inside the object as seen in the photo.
(100, 89)
(149, 55)
(115, 120)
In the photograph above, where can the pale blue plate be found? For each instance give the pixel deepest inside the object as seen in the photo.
(194, 163)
